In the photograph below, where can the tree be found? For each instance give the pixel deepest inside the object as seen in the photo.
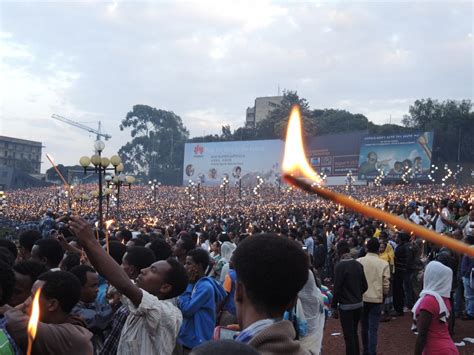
(274, 126)
(337, 121)
(52, 175)
(453, 125)
(157, 145)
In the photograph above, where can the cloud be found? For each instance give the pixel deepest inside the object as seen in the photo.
(208, 60)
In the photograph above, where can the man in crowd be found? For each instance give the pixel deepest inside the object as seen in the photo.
(182, 247)
(96, 315)
(377, 274)
(402, 279)
(153, 323)
(48, 252)
(271, 270)
(57, 332)
(26, 241)
(198, 303)
(26, 274)
(349, 286)
(133, 261)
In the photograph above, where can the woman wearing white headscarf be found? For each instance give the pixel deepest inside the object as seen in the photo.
(432, 310)
(222, 267)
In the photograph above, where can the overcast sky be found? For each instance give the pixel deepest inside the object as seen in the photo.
(207, 61)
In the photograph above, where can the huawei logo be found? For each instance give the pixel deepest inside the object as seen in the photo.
(199, 149)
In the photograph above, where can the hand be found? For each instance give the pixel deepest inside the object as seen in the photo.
(60, 238)
(82, 230)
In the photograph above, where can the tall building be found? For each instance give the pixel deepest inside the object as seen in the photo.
(262, 107)
(21, 154)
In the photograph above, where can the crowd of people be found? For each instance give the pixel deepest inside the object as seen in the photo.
(260, 271)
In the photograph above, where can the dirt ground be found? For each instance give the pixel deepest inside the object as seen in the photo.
(395, 337)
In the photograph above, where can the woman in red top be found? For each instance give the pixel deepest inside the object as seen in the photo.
(432, 310)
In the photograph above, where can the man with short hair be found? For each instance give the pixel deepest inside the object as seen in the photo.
(153, 323)
(349, 286)
(57, 332)
(271, 270)
(96, 315)
(26, 274)
(402, 279)
(182, 247)
(48, 252)
(134, 260)
(377, 274)
(26, 241)
(199, 302)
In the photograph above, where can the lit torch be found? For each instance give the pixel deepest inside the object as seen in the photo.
(295, 165)
(33, 323)
(107, 225)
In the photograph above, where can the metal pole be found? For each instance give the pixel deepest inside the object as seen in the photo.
(199, 193)
(100, 197)
(240, 188)
(118, 200)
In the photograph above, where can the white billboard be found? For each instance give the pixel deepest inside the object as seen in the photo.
(209, 163)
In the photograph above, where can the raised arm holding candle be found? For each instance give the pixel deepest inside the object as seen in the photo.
(299, 173)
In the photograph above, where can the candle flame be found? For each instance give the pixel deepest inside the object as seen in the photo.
(294, 159)
(108, 223)
(35, 314)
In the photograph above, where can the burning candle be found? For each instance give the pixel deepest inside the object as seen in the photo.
(294, 162)
(33, 322)
(107, 225)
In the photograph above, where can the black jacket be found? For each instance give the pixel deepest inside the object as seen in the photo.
(349, 283)
(404, 258)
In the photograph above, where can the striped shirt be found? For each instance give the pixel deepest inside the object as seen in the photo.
(150, 328)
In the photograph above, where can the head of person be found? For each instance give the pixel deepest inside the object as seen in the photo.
(342, 248)
(160, 248)
(89, 280)
(227, 248)
(373, 245)
(60, 291)
(69, 261)
(135, 259)
(183, 246)
(117, 250)
(271, 270)
(124, 236)
(7, 282)
(48, 252)
(6, 256)
(224, 347)
(26, 241)
(164, 278)
(402, 237)
(383, 246)
(196, 264)
(398, 166)
(372, 157)
(8, 244)
(26, 273)
(438, 278)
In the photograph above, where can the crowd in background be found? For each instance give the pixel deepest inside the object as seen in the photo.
(263, 269)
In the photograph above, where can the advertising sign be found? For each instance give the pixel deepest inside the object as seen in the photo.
(335, 154)
(396, 155)
(209, 163)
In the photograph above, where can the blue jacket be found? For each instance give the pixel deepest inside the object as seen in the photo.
(199, 304)
(467, 265)
(229, 304)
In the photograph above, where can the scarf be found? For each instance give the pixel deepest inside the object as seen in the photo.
(437, 283)
(248, 333)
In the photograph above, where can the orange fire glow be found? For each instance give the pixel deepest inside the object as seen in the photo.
(294, 159)
(34, 319)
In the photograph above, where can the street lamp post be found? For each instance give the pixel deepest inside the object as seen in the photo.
(225, 182)
(198, 192)
(100, 166)
(119, 181)
(154, 185)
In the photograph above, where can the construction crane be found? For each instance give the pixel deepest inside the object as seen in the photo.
(97, 132)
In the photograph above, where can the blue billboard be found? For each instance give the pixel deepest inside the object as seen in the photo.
(406, 155)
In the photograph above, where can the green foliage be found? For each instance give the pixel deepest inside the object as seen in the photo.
(157, 144)
(453, 125)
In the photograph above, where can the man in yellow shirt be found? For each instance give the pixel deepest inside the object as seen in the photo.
(377, 273)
